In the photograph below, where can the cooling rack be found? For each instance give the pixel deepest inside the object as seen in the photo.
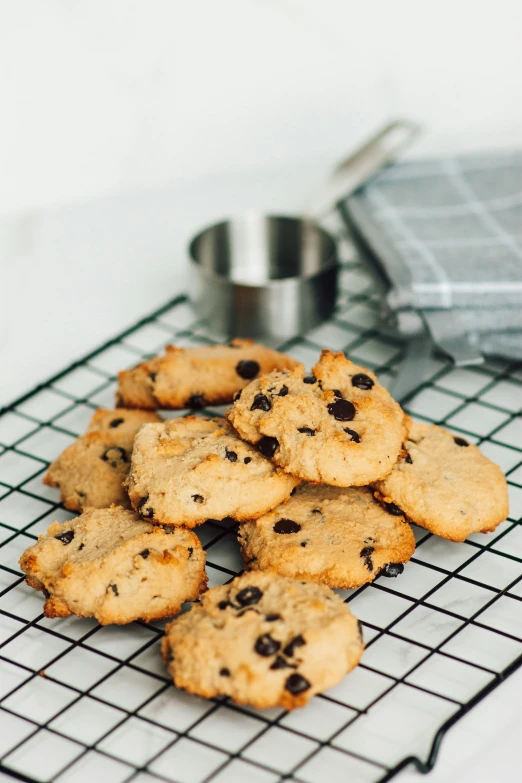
(79, 702)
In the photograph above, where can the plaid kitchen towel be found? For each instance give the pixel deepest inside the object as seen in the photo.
(448, 235)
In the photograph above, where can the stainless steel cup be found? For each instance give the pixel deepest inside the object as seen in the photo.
(264, 276)
(274, 277)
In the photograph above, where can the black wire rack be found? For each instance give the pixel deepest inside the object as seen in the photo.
(79, 702)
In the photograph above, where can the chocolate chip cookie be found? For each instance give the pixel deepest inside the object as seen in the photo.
(195, 377)
(185, 471)
(263, 640)
(446, 485)
(339, 537)
(338, 426)
(111, 565)
(90, 471)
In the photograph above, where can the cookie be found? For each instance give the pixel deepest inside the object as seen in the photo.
(185, 471)
(339, 537)
(446, 485)
(263, 640)
(111, 565)
(195, 377)
(90, 471)
(338, 426)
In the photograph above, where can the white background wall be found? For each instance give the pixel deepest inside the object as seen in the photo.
(101, 96)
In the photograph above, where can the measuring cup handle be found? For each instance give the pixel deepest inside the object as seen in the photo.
(380, 150)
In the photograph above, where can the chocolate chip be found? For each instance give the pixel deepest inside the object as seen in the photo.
(247, 460)
(283, 391)
(362, 381)
(296, 684)
(231, 455)
(145, 553)
(286, 526)
(113, 455)
(81, 547)
(148, 513)
(266, 646)
(113, 588)
(356, 438)
(116, 422)
(366, 554)
(66, 537)
(359, 626)
(309, 379)
(392, 569)
(304, 543)
(248, 596)
(190, 550)
(316, 511)
(261, 403)
(153, 376)
(394, 510)
(224, 672)
(247, 368)
(290, 648)
(306, 431)
(224, 604)
(342, 410)
(461, 442)
(267, 446)
(270, 618)
(280, 663)
(338, 394)
(197, 498)
(196, 401)
(408, 459)
(237, 395)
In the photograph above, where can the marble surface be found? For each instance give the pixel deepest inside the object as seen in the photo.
(73, 277)
(90, 270)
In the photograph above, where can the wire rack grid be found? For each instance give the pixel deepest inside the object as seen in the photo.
(80, 702)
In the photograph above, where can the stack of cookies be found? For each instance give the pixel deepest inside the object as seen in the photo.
(323, 473)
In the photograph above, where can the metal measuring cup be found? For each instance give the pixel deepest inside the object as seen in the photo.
(275, 276)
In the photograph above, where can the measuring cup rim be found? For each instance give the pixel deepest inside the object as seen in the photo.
(330, 262)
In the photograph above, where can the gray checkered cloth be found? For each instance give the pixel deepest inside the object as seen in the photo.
(448, 234)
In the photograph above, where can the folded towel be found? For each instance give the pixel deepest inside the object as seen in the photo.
(448, 236)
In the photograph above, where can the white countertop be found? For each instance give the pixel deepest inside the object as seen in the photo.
(73, 277)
